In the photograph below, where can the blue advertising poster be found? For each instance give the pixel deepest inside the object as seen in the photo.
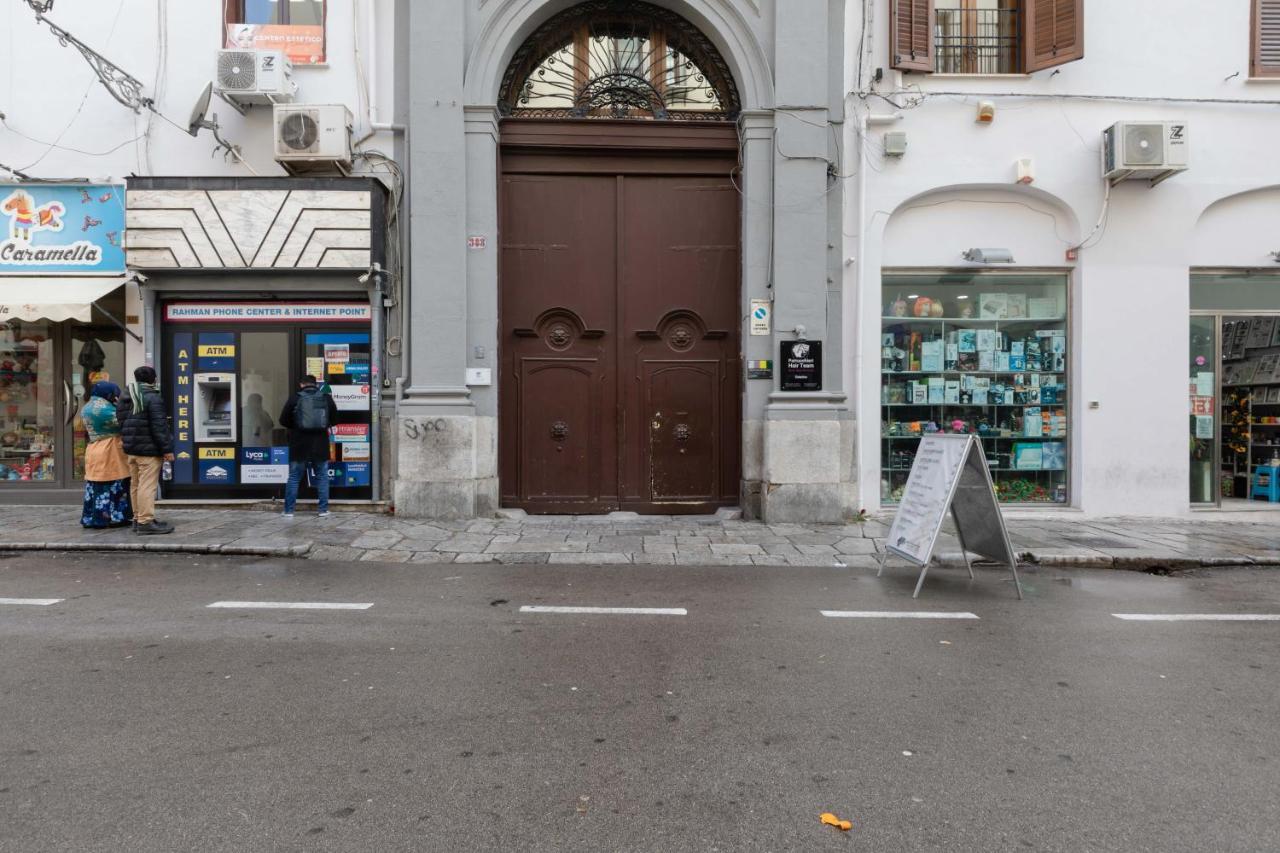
(216, 351)
(279, 456)
(217, 472)
(48, 229)
(183, 447)
(321, 338)
(255, 456)
(357, 474)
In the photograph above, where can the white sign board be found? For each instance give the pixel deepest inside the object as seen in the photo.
(350, 398)
(264, 473)
(761, 316)
(267, 312)
(949, 474)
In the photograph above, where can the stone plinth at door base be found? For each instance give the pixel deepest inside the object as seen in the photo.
(446, 466)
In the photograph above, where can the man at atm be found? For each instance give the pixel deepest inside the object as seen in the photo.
(308, 414)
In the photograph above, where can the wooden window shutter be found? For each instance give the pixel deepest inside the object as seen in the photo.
(1054, 33)
(1266, 39)
(911, 38)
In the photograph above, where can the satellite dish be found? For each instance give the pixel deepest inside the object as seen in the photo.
(198, 120)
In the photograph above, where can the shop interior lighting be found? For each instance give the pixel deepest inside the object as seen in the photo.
(989, 256)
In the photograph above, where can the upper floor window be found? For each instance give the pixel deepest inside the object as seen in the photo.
(618, 59)
(1265, 59)
(293, 26)
(986, 36)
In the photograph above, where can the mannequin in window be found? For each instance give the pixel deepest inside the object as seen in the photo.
(255, 421)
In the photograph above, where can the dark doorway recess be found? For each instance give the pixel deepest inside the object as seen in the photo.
(620, 316)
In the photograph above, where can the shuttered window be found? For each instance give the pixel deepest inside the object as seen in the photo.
(1054, 33)
(991, 36)
(911, 40)
(1266, 39)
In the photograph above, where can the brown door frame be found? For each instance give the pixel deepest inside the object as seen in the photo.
(622, 148)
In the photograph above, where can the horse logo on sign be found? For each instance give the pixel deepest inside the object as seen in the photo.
(25, 218)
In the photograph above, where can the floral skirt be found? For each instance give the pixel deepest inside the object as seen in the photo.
(107, 504)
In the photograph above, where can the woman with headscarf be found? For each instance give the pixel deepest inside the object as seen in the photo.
(106, 470)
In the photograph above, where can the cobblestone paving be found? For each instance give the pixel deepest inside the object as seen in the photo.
(657, 540)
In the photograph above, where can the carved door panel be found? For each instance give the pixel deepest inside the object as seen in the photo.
(678, 295)
(558, 448)
(683, 403)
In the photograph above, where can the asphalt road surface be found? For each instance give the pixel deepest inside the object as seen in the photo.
(137, 718)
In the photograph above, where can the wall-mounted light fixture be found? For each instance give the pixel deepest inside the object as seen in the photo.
(989, 256)
(986, 112)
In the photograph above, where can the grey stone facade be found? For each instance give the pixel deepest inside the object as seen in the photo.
(797, 449)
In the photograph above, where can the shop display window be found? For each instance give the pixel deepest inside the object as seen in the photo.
(28, 427)
(984, 354)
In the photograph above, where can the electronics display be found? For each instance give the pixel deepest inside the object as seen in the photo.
(982, 354)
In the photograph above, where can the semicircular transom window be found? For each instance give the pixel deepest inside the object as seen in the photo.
(619, 59)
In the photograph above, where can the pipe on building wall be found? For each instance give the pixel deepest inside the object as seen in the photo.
(375, 386)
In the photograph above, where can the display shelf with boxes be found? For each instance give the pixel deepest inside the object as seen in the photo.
(982, 354)
(1250, 428)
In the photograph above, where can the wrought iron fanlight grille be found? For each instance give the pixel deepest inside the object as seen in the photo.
(619, 59)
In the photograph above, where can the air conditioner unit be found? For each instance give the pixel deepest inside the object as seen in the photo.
(313, 138)
(255, 77)
(1138, 150)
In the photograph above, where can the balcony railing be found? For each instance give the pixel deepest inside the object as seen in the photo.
(977, 41)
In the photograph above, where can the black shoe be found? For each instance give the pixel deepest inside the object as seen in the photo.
(154, 528)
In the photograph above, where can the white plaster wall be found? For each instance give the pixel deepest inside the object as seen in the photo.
(1130, 293)
(48, 92)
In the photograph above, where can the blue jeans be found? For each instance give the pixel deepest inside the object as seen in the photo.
(319, 472)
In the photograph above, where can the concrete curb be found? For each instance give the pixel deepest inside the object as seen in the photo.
(165, 548)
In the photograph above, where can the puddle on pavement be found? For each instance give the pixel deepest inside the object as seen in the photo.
(1117, 584)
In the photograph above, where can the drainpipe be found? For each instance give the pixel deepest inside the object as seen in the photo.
(375, 383)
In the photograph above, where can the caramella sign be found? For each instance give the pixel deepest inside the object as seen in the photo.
(50, 229)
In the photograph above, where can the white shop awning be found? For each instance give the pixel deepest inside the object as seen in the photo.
(53, 298)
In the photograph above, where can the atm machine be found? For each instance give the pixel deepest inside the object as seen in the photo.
(215, 408)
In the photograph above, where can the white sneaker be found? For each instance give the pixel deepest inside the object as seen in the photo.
(286, 515)
(324, 514)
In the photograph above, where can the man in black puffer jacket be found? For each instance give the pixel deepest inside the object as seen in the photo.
(149, 444)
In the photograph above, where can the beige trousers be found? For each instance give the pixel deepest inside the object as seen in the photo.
(144, 472)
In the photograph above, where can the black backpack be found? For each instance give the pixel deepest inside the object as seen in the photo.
(312, 411)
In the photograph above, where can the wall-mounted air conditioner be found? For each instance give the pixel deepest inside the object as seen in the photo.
(1144, 150)
(255, 77)
(313, 138)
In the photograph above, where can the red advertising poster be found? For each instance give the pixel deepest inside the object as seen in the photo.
(303, 44)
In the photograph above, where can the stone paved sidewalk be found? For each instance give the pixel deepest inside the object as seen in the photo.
(662, 540)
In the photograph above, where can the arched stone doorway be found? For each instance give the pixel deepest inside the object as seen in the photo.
(620, 267)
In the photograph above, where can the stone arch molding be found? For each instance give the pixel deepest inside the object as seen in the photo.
(934, 227)
(1239, 230)
(510, 22)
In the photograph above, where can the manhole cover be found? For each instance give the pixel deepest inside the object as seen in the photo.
(1099, 542)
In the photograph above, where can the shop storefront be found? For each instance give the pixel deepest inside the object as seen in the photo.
(231, 367)
(65, 316)
(1234, 388)
(983, 353)
(253, 284)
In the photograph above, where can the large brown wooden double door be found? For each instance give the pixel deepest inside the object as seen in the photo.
(620, 344)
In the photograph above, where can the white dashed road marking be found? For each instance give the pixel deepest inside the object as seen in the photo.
(289, 605)
(39, 602)
(608, 611)
(1198, 617)
(896, 614)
